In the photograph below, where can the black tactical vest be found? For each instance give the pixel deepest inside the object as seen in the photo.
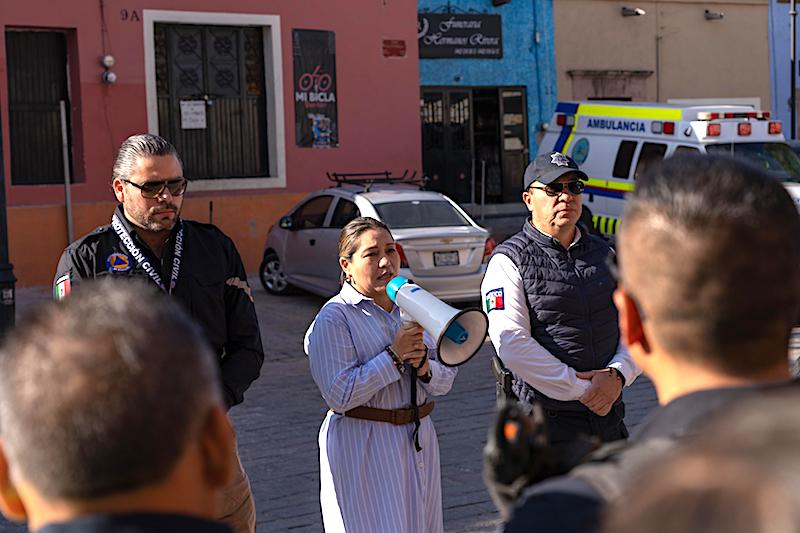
(569, 299)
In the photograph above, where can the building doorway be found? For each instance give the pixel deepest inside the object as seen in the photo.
(38, 106)
(475, 142)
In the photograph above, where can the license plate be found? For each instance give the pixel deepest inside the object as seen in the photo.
(441, 259)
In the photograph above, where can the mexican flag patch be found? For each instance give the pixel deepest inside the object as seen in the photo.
(62, 287)
(494, 300)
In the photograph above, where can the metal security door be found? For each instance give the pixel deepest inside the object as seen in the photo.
(447, 141)
(38, 106)
(515, 141)
(222, 66)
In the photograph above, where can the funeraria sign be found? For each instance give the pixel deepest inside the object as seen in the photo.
(449, 35)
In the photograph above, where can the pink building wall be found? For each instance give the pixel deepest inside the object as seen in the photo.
(378, 110)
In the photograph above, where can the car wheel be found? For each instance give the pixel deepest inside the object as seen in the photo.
(272, 276)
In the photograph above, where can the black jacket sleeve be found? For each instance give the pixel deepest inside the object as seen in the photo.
(244, 353)
(76, 264)
(560, 505)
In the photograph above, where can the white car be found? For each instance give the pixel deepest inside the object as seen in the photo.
(441, 248)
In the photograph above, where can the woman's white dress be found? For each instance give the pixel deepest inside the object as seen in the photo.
(372, 479)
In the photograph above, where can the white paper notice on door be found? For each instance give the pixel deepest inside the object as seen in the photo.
(193, 114)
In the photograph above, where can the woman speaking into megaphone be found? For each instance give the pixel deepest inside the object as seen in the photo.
(379, 456)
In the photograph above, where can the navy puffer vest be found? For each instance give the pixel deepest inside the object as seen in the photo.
(569, 298)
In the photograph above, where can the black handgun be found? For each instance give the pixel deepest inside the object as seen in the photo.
(505, 380)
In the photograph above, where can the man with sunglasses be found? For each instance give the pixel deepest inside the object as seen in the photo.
(548, 295)
(193, 262)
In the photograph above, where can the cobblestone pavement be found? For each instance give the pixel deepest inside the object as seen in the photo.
(278, 424)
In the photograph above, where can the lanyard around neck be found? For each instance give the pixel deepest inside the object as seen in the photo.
(145, 263)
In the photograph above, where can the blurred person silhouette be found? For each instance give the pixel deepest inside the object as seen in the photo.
(708, 292)
(112, 417)
(378, 450)
(740, 476)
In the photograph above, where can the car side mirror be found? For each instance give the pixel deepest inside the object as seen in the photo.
(286, 223)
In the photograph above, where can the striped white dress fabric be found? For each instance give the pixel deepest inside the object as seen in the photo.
(372, 480)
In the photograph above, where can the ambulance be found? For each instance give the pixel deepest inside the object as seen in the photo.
(614, 142)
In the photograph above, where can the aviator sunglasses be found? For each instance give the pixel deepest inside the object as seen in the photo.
(154, 189)
(554, 189)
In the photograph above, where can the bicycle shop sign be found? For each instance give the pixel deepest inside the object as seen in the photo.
(316, 114)
(448, 35)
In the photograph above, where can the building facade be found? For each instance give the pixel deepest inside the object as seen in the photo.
(487, 83)
(662, 50)
(260, 98)
(780, 62)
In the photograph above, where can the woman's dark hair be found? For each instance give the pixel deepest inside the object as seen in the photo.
(351, 234)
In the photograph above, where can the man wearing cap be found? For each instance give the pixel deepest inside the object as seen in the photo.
(548, 294)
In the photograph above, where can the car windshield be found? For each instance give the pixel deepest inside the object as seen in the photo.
(420, 214)
(776, 158)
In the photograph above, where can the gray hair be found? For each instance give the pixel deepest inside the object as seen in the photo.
(101, 393)
(138, 146)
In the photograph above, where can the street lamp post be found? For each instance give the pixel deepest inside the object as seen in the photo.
(7, 279)
(793, 60)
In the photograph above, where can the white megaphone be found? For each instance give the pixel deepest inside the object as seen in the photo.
(459, 334)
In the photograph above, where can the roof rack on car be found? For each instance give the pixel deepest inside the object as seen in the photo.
(368, 179)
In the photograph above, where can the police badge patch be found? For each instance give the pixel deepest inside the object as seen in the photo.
(118, 262)
(559, 159)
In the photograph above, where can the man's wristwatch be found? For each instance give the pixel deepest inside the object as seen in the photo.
(401, 367)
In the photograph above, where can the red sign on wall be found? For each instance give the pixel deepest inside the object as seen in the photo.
(394, 48)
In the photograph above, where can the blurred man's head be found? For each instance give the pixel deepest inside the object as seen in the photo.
(109, 402)
(710, 265)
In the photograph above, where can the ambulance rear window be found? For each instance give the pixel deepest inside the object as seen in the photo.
(622, 165)
(651, 153)
(685, 150)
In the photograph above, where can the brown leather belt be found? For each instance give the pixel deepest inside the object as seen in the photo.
(398, 417)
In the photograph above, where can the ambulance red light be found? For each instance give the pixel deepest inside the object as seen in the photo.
(707, 116)
(669, 128)
(730, 115)
(488, 248)
(775, 128)
(752, 114)
(713, 130)
(745, 128)
(767, 114)
(561, 120)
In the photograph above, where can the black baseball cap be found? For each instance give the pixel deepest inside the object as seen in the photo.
(547, 168)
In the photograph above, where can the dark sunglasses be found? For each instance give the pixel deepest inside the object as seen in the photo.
(554, 189)
(154, 189)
